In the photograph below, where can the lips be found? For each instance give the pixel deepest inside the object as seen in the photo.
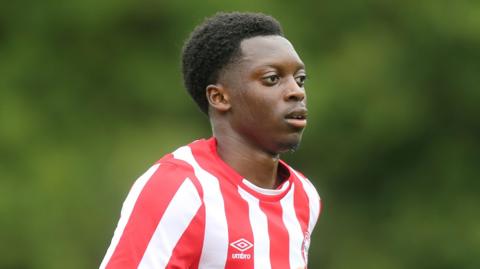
(297, 118)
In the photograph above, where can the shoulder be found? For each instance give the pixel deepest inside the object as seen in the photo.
(171, 173)
(305, 182)
(176, 168)
(163, 180)
(300, 179)
(315, 203)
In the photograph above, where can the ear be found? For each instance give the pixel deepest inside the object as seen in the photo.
(218, 97)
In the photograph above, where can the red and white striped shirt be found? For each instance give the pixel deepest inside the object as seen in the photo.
(191, 210)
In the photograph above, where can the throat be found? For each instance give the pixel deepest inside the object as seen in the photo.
(259, 168)
(275, 180)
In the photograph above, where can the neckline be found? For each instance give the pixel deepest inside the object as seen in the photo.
(271, 192)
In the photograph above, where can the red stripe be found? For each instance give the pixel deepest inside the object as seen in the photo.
(302, 211)
(239, 227)
(279, 240)
(186, 253)
(236, 210)
(302, 205)
(147, 212)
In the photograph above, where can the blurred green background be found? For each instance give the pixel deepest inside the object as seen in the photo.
(91, 95)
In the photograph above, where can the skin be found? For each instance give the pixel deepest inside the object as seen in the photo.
(248, 107)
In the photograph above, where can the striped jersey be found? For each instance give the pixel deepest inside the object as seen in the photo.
(192, 210)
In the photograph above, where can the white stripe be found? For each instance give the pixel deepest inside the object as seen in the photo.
(215, 243)
(259, 223)
(266, 191)
(127, 209)
(175, 220)
(294, 229)
(313, 200)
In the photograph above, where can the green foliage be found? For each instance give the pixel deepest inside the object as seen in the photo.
(91, 95)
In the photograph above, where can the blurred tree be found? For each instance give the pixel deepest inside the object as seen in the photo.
(91, 94)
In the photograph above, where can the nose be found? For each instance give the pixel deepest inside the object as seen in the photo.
(294, 92)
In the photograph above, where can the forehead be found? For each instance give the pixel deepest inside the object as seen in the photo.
(269, 51)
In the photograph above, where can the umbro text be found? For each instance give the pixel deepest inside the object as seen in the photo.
(241, 256)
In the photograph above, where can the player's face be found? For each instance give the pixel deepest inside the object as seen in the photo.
(268, 97)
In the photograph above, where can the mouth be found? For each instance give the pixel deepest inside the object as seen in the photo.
(297, 118)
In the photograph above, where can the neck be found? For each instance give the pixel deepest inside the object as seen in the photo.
(257, 166)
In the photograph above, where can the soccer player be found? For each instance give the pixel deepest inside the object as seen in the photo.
(228, 201)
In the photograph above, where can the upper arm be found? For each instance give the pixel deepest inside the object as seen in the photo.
(159, 208)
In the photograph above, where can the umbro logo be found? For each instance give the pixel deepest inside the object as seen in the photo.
(241, 245)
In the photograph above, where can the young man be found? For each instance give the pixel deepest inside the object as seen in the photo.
(228, 201)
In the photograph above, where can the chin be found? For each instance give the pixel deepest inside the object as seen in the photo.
(291, 147)
(291, 144)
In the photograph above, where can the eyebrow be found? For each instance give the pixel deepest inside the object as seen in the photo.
(298, 66)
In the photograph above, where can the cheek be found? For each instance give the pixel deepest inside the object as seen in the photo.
(260, 108)
(255, 104)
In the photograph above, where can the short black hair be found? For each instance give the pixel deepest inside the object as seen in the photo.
(215, 43)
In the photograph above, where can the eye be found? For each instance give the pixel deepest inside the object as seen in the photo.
(300, 79)
(271, 80)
